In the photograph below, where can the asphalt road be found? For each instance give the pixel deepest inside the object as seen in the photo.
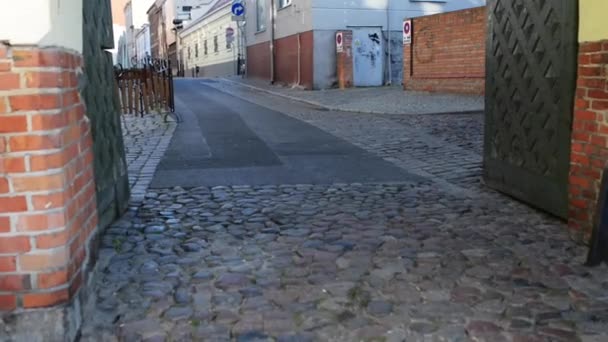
(224, 140)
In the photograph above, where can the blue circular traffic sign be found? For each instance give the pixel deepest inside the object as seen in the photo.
(238, 9)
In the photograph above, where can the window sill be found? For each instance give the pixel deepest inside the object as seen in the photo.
(260, 31)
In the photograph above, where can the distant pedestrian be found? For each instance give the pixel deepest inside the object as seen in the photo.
(197, 70)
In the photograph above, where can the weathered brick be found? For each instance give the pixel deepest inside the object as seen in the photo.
(598, 94)
(37, 222)
(3, 105)
(43, 79)
(34, 102)
(14, 244)
(42, 261)
(5, 224)
(45, 299)
(71, 98)
(590, 47)
(52, 279)
(14, 282)
(9, 81)
(52, 240)
(12, 204)
(12, 164)
(34, 142)
(598, 140)
(5, 66)
(8, 302)
(54, 160)
(13, 124)
(49, 201)
(4, 186)
(8, 263)
(599, 105)
(44, 122)
(38, 58)
(38, 183)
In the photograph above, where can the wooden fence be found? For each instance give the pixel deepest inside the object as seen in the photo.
(145, 90)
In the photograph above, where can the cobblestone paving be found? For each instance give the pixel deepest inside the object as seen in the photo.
(463, 130)
(378, 100)
(437, 261)
(401, 262)
(146, 140)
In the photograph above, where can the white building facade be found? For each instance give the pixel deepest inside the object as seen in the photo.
(142, 44)
(211, 43)
(305, 25)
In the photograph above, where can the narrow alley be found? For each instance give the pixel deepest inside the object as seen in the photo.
(273, 220)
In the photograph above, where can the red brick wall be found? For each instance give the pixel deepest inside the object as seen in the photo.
(589, 135)
(47, 192)
(447, 53)
(344, 61)
(258, 61)
(286, 60)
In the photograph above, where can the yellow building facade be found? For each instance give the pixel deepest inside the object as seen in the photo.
(593, 24)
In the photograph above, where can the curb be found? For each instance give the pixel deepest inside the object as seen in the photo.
(313, 103)
(339, 109)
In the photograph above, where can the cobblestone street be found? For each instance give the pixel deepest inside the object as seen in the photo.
(420, 253)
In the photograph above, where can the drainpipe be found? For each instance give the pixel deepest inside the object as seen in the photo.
(388, 34)
(299, 60)
(272, 20)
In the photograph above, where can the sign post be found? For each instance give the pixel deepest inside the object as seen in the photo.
(238, 10)
(339, 42)
(407, 32)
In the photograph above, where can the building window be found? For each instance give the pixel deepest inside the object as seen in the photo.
(205, 48)
(189, 53)
(216, 47)
(284, 3)
(196, 50)
(260, 15)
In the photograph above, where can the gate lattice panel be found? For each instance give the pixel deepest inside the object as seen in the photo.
(531, 76)
(101, 98)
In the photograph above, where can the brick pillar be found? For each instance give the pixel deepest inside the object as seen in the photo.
(344, 61)
(589, 135)
(47, 192)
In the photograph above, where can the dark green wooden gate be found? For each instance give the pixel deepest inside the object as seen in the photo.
(101, 98)
(531, 78)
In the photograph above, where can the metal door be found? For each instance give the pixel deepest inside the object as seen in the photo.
(530, 84)
(100, 94)
(368, 57)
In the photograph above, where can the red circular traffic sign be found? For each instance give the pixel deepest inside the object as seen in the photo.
(339, 39)
(407, 27)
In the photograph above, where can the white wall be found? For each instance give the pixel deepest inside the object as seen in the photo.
(143, 43)
(339, 14)
(207, 28)
(42, 22)
(293, 19)
(130, 28)
(119, 31)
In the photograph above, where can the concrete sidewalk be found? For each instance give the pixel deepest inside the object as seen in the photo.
(377, 100)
